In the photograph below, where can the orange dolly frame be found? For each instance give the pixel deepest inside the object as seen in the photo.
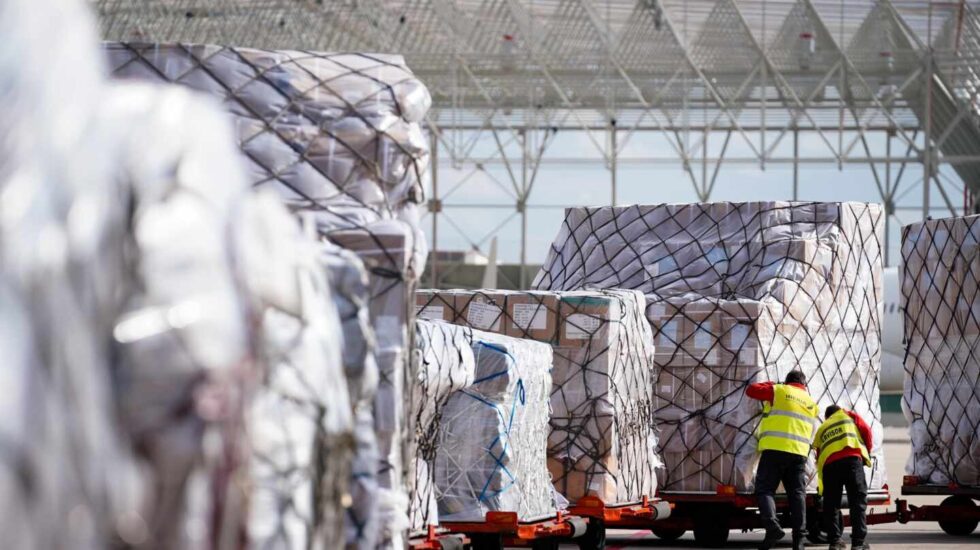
(957, 515)
(713, 516)
(602, 516)
(502, 529)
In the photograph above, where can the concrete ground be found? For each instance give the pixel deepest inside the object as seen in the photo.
(891, 536)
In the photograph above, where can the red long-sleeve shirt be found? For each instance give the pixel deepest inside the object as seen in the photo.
(763, 391)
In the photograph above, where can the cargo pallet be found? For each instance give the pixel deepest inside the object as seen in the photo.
(634, 515)
(957, 515)
(712, 516)
(502, 529)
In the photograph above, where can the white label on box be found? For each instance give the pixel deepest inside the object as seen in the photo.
(666, 389)
(530, 316)
(580, 326)
(483, 316)
(430, 312)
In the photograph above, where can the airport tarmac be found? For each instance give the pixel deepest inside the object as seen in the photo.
(889, 536)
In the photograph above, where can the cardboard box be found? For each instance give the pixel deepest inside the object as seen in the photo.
(532, 315)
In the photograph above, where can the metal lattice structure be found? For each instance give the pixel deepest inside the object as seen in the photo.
(751, 75)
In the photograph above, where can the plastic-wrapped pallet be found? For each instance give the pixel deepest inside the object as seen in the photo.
(338, 135)
(60, 270)
(602, 440)
(737, 293)
(446, 365)
(491, 446)
(941, 301)
(349, 282)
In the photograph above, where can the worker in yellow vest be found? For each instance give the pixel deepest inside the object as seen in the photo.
(843, 446)
(785, 434)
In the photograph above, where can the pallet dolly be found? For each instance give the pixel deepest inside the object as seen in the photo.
(712, 516)
(957, 515)
(602, 516)
(502, 529)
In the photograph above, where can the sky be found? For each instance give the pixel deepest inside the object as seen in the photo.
(476, 202)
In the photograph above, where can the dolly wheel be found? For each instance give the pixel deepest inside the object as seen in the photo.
(668, 534)
(711, 529)
(958, 528)
(545, 544)
(486, 542)
(594, 537)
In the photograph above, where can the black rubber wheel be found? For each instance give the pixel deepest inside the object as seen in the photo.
(454, 542)
(668, 534)
(958, 528)
(546, 544)
(711, 528)
(594, 537)
(486, 542)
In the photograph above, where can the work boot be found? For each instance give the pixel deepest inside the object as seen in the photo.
(837, 546)
(799, 543)
(860, 546)
(772, 537)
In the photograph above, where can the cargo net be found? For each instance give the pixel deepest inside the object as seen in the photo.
(738, 293)
(446, 365)
(338, 136)
(602, 440)
(941, 303)
(481, 417)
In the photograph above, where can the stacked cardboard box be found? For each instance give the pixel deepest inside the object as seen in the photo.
(339, 137)
(602, 436)
(490, 451)
(738, 293)
(941, 302)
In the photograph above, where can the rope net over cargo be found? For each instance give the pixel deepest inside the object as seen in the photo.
(602, 439)
(738, 293)
(481, 417)
(941, 304)
(338, 137)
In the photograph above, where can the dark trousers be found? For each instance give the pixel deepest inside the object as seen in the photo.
(776, 466)
(846, 473)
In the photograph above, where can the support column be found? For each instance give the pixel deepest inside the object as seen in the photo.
(927, 149)
(796, 163)
(889, 207)
(522, 208)
(435, 207)
(613, 155)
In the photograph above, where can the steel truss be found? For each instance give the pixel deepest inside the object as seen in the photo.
(723, 82)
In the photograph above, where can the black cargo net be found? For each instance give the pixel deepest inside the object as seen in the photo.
(738, 293)
(941, 304)
(602, 439)
(446, 365)
(338, 136)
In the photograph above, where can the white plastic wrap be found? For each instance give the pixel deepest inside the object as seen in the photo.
(446, 365)
(61, 267)
(737, 293)
(602, 439)
(349, 282)
(491, 449)
(941, 304)
(337, 135)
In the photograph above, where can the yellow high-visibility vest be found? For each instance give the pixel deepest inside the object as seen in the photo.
(788, 424)
(839, 432)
